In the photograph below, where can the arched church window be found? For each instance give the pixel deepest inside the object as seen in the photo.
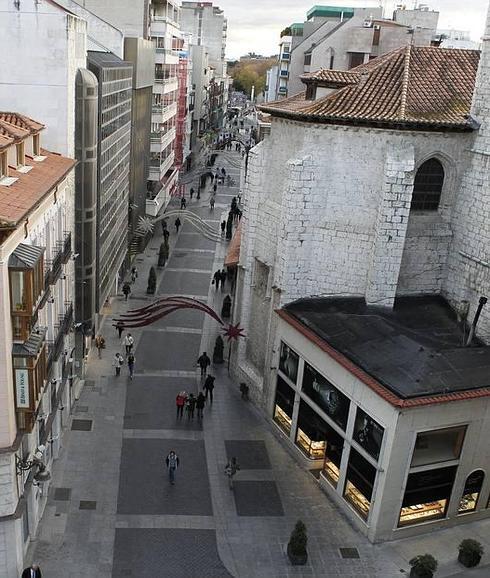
(427, 187)
(471, 492)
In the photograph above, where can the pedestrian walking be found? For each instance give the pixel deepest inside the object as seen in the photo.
(126, 289)
(32, 572)
(223, 227)
(209, 387)
(216, 279)
(211, 203)
(119, 328)
(173, 462)
(131, 362)
(204, 362)
(200, 403)
(128, 343)
(180, 402)
(190, 405)
(134, 274)
(117, 363)
(223, 172)
(183, 203)
(100, 344)
(231, 469)
(222, 278)
(215, 187)
(191, 193)
(178, 223)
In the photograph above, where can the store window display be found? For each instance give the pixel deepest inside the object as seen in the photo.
(359, 484)
(311, 433)
(288, 362)
(368, 433)
(333, 457)
(427, 495)
(283, 407)
(333, 402)
(471, 492)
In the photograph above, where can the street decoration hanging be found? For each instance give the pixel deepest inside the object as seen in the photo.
(160, 308)
(146, 225)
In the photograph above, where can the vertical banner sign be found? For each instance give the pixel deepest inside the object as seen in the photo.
(22, 388)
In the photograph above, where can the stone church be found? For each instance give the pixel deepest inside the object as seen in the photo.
(362, 283)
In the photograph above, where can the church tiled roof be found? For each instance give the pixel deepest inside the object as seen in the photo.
(411, 87)
(22, 121)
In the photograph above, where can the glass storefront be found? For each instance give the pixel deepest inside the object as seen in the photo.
(334, 403)
(427, 496)
(471, 492)
(359, 483)
(311, 433)
(288, 362)
(368, 433)
(333, 457)
(437, 446)
(283, 407)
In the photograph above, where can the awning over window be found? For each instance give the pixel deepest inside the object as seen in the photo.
(32, 346)
(25, 256)
(233, 256)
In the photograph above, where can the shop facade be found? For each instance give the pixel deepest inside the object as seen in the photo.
(396, 470)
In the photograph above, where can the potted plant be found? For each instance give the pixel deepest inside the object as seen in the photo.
(152, 281)
(226, 307)
(297, 553)
(423, 566)
(218, 350)
(470, 553)
(163, 254)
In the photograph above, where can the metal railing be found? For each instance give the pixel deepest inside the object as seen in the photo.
(66, 247)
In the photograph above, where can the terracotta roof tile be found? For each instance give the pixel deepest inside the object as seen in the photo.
(5, 141)
(409, 87)
(17, 133)
(17, 200)
(21, 121)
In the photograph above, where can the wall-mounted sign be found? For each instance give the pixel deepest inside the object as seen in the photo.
(22, 388)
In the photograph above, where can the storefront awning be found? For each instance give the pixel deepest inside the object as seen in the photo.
(233, 255)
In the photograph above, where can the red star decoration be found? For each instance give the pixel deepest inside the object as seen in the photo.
(234, 332)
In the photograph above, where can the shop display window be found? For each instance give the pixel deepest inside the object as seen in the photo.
(311, 433)
(368, 433)
(288, 362)
(333, 456)
(432, 447)
(283, 407)
(333, 402)
(471, 492)
(427, 496)
(359, 483)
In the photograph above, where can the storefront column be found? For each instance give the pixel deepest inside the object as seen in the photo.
(297, 400)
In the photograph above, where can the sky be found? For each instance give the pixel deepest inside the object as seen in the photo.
(255, 25)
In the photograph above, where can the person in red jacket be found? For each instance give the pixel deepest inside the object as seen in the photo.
(180, 403)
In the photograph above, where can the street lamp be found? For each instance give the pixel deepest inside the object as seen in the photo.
(42, 475)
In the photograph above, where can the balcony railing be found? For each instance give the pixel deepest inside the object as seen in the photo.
(66, 247)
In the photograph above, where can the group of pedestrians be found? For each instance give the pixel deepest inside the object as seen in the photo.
(119, 360)
(219, 278)
(190, 403)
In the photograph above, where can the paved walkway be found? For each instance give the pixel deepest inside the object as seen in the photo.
(111, 510)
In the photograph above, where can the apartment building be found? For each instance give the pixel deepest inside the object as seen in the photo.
(36, 326)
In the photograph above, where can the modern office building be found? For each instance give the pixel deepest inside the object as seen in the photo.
(115, 79)
(36, 326)
(341, 38)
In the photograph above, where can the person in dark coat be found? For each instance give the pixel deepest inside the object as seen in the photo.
(209, 387)
(126, 289)
(120, 328)
(216, 279)
(178, 223)
(183, 203)
(166, 235)
(32, 572)
(204, 362)
(191, 193)
(190, 405)
(200, 403)
(223, 227)
(164, 226)
(222, 278)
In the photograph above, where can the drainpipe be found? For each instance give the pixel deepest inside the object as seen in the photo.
(482, 302)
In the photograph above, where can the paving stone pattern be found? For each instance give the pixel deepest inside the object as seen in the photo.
(257, 499)
(251, 455)
(160, 351)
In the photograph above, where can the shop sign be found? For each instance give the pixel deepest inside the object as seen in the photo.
(22, 388)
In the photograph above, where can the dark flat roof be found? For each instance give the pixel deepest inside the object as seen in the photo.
(413, 350)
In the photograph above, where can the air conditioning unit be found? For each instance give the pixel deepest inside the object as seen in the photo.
(367, 23)
(377, 27)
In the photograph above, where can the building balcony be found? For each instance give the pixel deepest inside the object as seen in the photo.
(158, 168)
(160, 140)
(161, 113)
(165, 85)
(166, 56)
(286, 56)
(159, 201)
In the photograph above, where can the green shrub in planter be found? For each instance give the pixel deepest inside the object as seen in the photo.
(470, 553)
(423, 566)
(297, 553)
(218, 350)
(163, 255)
(152, 281)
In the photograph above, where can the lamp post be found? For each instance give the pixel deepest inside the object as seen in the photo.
(42, 475)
